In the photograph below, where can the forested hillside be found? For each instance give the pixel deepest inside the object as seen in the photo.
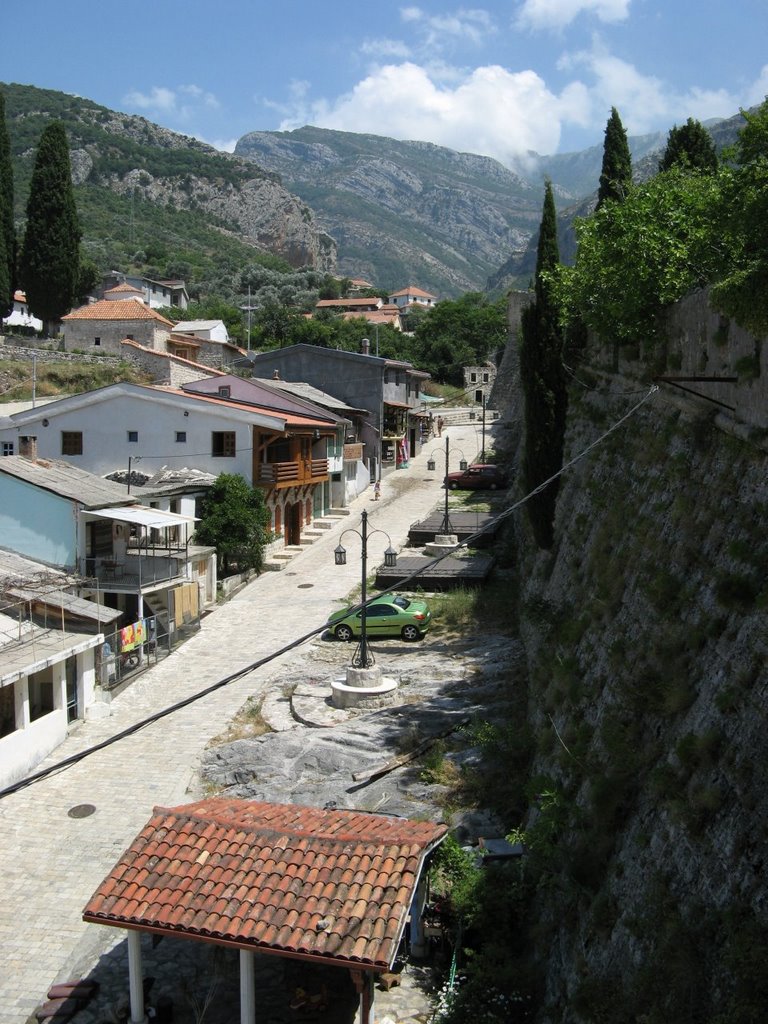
(162, 203)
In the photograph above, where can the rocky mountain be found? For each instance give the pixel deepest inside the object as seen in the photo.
(143, 187)
(404, 212)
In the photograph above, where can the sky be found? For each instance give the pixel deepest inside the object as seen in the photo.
(501, 78)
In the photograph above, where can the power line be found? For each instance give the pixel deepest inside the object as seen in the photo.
(253, 666)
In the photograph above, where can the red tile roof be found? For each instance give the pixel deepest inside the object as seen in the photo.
(413, 290)
(319, 884)
(116, 309)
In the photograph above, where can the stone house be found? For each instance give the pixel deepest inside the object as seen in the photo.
(102, 326)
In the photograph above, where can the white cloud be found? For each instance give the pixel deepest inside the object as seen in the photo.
(386, 48)
(489, 110)
(645, 102)
(758, 91)
(157, 98)
(181, 103)
(556, 14)
(472, 25)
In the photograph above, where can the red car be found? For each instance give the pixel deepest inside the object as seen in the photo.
(474, 478)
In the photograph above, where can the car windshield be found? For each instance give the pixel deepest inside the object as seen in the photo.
(401, 602)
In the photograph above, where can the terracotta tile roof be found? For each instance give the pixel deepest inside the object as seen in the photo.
(329, 303)
(116, 309)
(128, 289)
(321, 884)
(413, 290)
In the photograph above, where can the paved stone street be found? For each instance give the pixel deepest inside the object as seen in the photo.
(50, 863)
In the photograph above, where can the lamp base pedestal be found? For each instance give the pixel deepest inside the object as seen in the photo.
(442, 544)
(364, 688)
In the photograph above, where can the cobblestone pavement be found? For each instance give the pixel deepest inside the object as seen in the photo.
(50, 862)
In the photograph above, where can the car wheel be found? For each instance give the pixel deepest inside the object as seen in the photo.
(454, 485)
(410, 633)
(343, 633)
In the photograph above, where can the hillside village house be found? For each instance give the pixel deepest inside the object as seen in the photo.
(137, 559)
(20, 315)
(412, 296)
(348, 472)
(156, 294)
(204, 341)
(50, 640)
(101, 326)
(479, 381)
(219, 425)
(387, 389)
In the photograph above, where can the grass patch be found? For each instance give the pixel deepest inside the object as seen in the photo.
(247, 723)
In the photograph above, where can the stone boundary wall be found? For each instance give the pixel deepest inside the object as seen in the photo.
(9, 350)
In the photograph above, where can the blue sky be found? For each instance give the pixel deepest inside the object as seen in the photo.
(500, 78)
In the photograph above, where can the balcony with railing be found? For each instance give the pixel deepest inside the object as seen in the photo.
(291, 474)
(136, 570)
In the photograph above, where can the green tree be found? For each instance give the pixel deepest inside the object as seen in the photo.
(543, 380)
(234, 520)
(636, 257)
(50, 261)
(690, 147)
(459, 333)
(616, 172)
(7, 229)
(742, 291)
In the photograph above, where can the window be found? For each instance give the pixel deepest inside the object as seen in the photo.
(40, 694)
(181, 437)
(225, 391)
(223, 444)
(473, 378)
(7, 447)
(71, 442)
(97, 341)
(129, 337)
(133, 436)
(485, 378)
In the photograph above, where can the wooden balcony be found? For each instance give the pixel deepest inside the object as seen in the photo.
(291, 474)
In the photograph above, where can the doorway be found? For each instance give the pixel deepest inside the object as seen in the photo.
(293, 523)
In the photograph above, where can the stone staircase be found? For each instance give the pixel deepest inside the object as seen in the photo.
(277, 560)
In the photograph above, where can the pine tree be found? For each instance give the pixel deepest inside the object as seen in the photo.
(690, 147)
(616, 173)
(7, 229)
(543, 380)
(50, 260)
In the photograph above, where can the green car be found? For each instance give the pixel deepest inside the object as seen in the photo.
(391, 615)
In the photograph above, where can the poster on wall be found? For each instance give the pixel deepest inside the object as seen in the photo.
(132, 636)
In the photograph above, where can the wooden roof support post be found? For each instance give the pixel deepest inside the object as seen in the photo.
(363, 982)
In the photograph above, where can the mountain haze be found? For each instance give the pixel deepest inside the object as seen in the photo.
(404, 212)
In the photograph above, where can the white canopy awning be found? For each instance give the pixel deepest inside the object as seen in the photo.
(140, 515)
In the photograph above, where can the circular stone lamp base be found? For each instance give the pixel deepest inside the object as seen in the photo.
(443, 543)
(364, 688)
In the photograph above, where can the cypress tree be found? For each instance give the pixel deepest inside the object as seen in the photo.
(690, 147)
(7, 229)
(616, 173)
(543, 380)
(50, 261)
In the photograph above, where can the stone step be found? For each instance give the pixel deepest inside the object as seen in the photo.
(274, 566)
(338, 512)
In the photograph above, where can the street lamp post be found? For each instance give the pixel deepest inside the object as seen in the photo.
(446, 526)
(363, 658)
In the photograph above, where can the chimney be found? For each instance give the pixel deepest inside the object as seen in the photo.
(28, 447)
(275, 375)
(365, 347)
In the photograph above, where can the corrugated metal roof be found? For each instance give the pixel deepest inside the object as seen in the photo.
(140, 515)
(87, 489)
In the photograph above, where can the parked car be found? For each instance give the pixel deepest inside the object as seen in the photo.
(475, 477)
(390, 615)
